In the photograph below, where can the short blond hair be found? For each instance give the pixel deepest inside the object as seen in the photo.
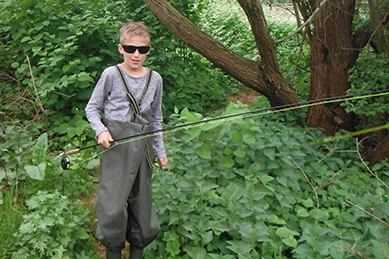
(134, 29)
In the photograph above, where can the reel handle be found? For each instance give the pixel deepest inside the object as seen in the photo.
(70, 152)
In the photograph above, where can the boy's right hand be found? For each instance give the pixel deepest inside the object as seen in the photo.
(105, 139)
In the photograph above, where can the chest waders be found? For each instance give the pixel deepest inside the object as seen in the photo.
(124, 202)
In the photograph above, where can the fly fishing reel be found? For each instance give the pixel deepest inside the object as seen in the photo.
(65, 162)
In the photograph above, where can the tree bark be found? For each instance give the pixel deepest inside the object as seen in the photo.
(263, 76)
(380, 151)
(331, 54)
(379, 37)
(269, 63)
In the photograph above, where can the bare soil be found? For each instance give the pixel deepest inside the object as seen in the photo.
(244, 97)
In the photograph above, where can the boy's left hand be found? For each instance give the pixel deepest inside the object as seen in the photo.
(163, 162)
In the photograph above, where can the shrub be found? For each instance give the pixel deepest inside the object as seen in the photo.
(54, 228)
(371, 73)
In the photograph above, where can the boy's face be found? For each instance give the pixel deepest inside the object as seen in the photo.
(134, 61)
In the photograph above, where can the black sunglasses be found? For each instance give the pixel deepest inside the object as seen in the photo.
(131, 49)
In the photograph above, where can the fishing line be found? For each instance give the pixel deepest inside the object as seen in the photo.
(65, 163)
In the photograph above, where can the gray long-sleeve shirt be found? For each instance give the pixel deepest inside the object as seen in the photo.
(110, 95)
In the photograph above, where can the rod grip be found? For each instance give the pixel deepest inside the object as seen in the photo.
(70, 152)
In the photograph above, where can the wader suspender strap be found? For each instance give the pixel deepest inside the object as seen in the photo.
(134, 104)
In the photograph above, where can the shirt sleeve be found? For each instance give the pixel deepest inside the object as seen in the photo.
(94, 107)
(156, 107)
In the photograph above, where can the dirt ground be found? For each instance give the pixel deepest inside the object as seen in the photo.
(244, 97)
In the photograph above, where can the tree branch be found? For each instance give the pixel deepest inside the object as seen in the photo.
(308, 22)
(262, 76)
(232, 63)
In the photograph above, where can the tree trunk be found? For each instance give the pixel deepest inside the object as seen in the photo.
(263, 76)
(379, 37)
(380, 151)
(331, 54)
(269, 67)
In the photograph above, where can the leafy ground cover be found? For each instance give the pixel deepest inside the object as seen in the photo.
(257, 188)
(252, 187)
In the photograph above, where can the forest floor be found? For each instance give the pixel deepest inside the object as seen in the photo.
(279, 12)
(244, 97)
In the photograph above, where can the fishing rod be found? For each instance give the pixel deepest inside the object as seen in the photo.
(65, 162)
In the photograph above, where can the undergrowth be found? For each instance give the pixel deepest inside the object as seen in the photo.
(258, 188)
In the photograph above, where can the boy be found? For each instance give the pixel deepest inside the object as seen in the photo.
(131, 95)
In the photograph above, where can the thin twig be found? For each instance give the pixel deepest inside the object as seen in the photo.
(376, 29)
(310, 20)
(374, 216)
(36, 90)
(330, 181)
(367, 167)
(69, 96)
(301, 52)
(328, 154)
(310, 183)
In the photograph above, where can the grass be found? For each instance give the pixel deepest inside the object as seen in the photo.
(10, 217)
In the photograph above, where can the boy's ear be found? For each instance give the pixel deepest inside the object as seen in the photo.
(120, 48)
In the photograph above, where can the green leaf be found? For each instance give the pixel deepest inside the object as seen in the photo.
(72, 131)
(93, 163)
(204, 150)
(40, 149)
(380, 249)
(287, 236)
(228, 151)
(240, 152)
(207, 237)
(237, 136)
(269, 152)
(84, 77)
(337, 252)
(308, 203)
(36, 172)
(173, 247)
(63, 128)
(240, 247)
(192, 118)
(27, 38)
(249, 140)
(196, 252)
(66, 68)
(231, 193)
(265, 178)
(285, 232)
(272, 165)
(274, 219)
(290, 241)
(302, 212)
(226, 162)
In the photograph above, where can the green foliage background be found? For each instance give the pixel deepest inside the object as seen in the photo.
(252, 187)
